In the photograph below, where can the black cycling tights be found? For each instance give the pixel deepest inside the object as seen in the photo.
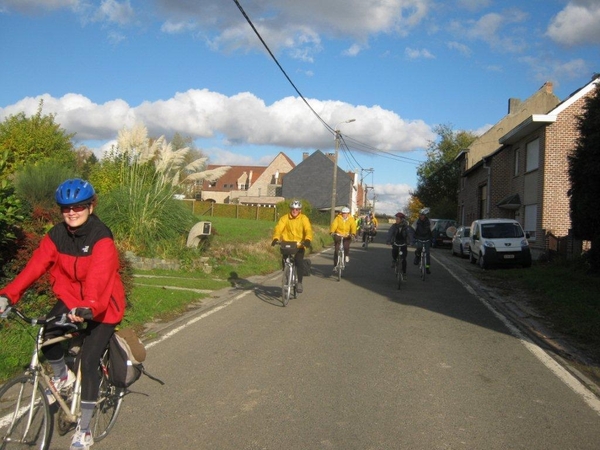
(97, 337)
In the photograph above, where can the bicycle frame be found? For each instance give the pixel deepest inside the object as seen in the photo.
(24, 399)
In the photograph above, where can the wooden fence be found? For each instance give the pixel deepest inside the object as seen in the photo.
(211, 209)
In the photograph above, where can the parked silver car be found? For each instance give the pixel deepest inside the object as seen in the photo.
(461, 241)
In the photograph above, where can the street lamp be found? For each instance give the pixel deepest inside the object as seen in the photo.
(335, 158)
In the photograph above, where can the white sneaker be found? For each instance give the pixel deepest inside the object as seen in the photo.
(347, 259)
(61, 385)
(82, 440)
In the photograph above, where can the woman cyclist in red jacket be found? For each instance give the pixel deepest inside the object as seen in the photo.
(83, 263)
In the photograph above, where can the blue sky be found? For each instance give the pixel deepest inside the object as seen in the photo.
(399, 67)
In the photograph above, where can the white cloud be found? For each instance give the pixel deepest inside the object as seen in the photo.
(290, 23)
(544, 69)
(462, 48)
(391, 198)
(113, 11)
(498, 29)
(413, 53)
(353, 50)
(577, 24)
(240, 119)
(35, 6)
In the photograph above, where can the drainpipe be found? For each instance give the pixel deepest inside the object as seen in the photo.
(489, 188)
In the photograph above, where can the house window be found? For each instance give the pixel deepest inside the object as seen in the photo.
(533, 155)
(517, 156)
(212, 184)
(530, 221)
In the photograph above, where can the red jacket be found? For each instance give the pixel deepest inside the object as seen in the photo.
(84, 270)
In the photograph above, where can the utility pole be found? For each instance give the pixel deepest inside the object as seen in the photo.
(335, 164)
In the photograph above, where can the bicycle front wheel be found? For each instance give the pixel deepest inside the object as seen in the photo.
(286, 285)
(398, 274)
(25, 419)
(110, 399)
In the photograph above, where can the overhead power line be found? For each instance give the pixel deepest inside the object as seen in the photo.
(360, 146)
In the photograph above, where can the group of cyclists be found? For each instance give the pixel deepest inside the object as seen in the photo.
(82, 260)
(295, 226)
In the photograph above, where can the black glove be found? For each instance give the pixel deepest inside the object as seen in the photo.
(306, 242)
(84, 313)
(274, 242)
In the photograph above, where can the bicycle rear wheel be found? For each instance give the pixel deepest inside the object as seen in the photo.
(110, 400)
(25, 419)
(286, 285)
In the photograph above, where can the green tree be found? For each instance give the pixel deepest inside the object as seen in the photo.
(36, 138)
(584, 166)
(438, 177)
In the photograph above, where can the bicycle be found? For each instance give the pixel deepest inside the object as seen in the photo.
(289, 280)
(369, 236)
(25, 413)
(422, 263)
(398, 266)
(340, 264)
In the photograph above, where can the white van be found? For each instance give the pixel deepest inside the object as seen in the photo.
(499, 241)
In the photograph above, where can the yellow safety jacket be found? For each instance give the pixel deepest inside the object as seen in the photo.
(293, 228)
(343, 227)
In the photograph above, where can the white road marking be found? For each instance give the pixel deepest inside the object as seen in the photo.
(573, 383)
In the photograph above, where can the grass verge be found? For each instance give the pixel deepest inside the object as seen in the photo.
(565, 295)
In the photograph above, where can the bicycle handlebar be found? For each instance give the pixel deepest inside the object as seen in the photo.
(341, 235)
(62, 318)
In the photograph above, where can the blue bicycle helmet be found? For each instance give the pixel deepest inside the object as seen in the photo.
(74, 192)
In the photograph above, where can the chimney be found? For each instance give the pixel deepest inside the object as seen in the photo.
(331, 156)
(513, 104)
(304, 156)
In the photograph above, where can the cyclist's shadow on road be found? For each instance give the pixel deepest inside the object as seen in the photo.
(240, 283)
(269, 294)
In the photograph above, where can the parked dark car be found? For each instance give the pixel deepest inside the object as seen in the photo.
(442, 231)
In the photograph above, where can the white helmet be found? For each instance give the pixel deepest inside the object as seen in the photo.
(296, 205)
(345, 210)
(424, 211)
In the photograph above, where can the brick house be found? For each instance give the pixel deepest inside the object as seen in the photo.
(249, 185)
(524, 175)
(312, 180)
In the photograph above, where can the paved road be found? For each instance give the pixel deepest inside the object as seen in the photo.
(354, 364)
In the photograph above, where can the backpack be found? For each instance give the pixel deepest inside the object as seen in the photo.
(126, 355)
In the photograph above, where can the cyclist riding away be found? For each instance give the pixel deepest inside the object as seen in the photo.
(344, 225)
(83, 263)
(296, 227)
(398, 238)
(423, 237)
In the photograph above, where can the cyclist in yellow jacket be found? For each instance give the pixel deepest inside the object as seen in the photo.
(345, 225)
(296, 227)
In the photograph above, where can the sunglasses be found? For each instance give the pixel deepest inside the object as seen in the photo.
(77, 209)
